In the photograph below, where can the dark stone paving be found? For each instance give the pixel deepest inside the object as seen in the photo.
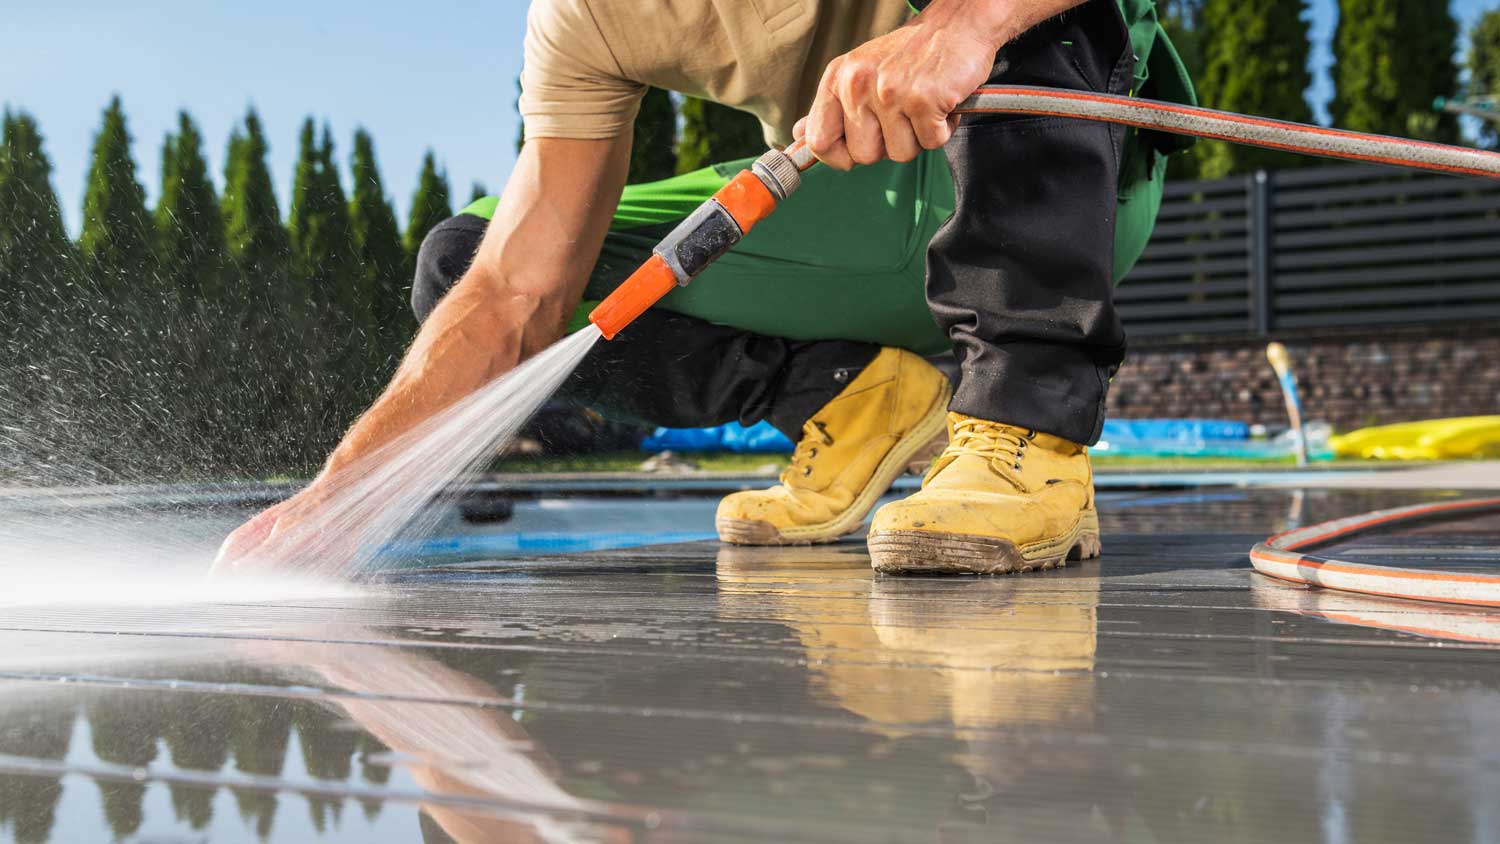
(692, 692)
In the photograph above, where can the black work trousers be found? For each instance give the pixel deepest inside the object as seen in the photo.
(1022, 275)
(669, 369)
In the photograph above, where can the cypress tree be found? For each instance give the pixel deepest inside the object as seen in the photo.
(713, 133)
(307, 229)
(318, 325)
(1484, 69)
(1391, 59)
(303, 222)
(117, 232)
(256, 239)
(277, 318)
(478, 191)
(334, 203)
(319, 221)
(35, 253)
(39, 303)
(430, 205)
(323, 264)
(651, 154)
(189, 225)
(379, 258)
(200, 341)
(129, 319)
(1255, 62)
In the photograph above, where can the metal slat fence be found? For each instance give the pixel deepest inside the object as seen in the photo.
(1327, 247)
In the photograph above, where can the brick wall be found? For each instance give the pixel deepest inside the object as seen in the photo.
(1375, 376)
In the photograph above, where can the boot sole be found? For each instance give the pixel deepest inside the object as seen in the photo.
(921, 552)
(914, 451)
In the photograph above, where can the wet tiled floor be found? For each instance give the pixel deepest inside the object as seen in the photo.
(691, 692)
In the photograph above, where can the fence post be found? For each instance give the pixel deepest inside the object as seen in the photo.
(1261, 191)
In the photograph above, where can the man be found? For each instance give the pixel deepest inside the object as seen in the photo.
(1019, 279)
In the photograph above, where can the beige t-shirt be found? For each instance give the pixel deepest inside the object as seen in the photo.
(588, 62)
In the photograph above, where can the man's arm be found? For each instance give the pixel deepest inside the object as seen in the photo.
(894, 96)
(514, 301)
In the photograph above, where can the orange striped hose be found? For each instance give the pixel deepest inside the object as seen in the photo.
(1236, 128)
(1288, 556)
(1178, 119)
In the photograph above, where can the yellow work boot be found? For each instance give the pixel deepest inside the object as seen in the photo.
(887, 418)
(999, 499)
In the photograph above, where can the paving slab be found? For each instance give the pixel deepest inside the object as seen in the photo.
(499, 684)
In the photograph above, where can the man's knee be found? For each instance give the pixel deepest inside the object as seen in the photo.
(443, 259)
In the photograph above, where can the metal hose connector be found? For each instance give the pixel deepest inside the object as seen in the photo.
(779, 174)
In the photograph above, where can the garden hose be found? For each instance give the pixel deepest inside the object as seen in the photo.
(1289, 556)
(716, 226)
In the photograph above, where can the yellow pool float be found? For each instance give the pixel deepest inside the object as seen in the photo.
(1433, 439)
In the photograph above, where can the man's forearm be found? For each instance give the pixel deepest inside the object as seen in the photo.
(524, 283)
(466, 341)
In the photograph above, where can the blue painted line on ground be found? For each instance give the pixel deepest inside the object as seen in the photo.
(549, 542)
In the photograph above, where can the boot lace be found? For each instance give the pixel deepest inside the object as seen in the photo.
(991, 441)
(815, 436)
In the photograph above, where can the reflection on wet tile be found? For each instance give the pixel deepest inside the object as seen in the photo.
(988, 661)
(699, 693)
(134, 748)
(1450, 622)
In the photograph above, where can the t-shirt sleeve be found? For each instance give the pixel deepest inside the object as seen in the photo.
(571, 84)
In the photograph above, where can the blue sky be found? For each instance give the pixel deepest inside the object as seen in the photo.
(415, 75)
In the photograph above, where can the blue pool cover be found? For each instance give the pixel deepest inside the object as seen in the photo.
(1209, 437)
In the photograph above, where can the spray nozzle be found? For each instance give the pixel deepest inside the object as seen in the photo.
(700, 239)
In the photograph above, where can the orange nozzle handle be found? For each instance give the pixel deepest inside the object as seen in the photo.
(747, 199)
(697, 242)
(652, 281)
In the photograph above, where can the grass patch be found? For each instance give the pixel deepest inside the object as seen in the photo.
(630, 461)
(731, 463)
(1110, 461)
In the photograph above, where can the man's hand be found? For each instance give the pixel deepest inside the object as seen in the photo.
(259, 543)
(894, 96)
(243, 542)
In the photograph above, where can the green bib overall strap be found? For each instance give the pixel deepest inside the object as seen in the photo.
(1159, 75)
